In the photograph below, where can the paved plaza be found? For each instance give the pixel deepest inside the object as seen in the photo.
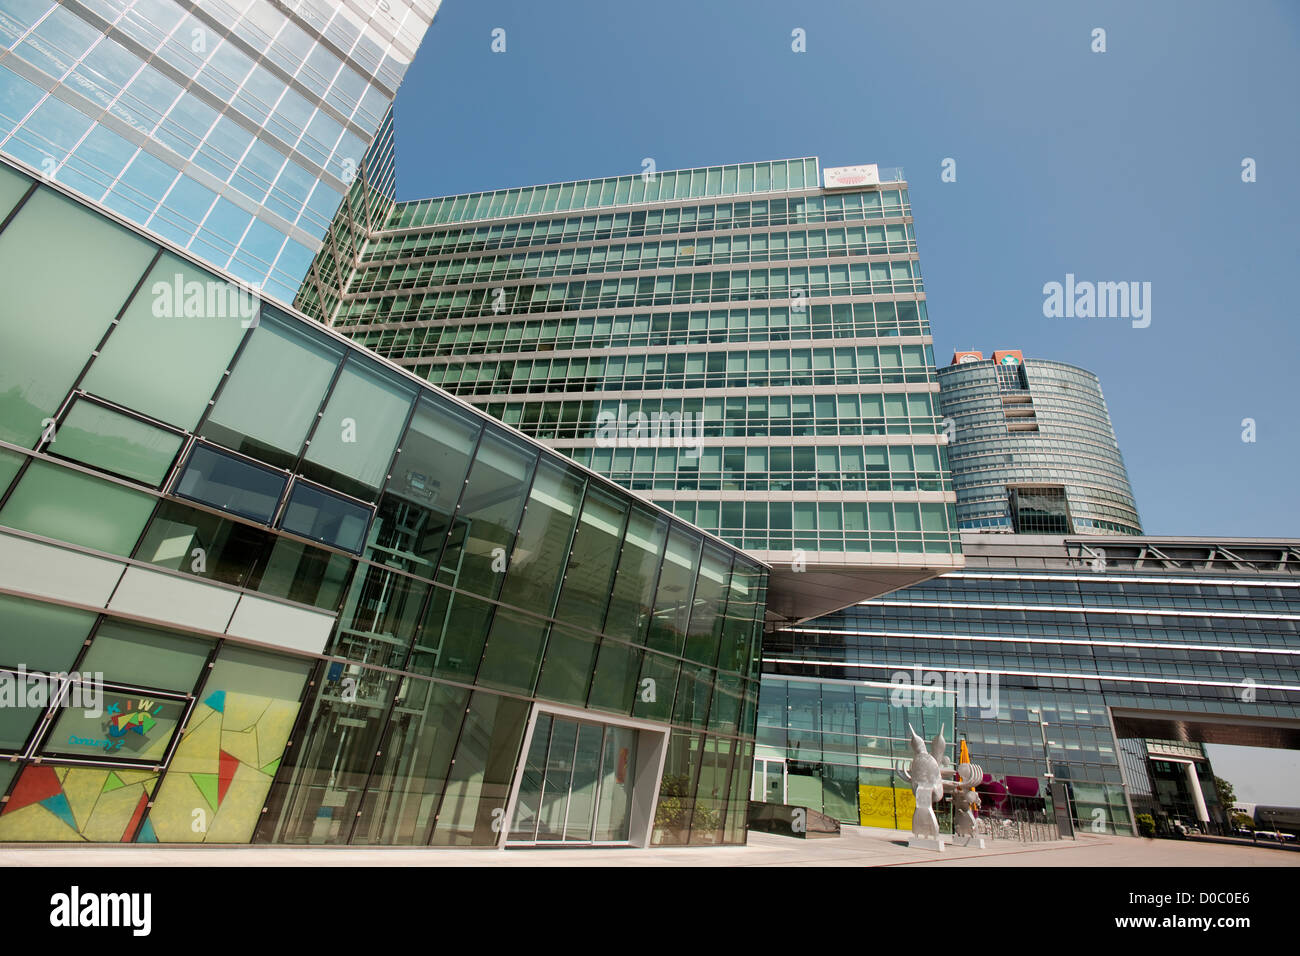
(856, 846)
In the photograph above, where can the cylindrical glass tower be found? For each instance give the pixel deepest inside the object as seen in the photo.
(1032, 449)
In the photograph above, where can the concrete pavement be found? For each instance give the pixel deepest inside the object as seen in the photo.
(857, 846)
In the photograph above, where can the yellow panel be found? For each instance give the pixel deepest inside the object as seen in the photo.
(273, 730)
(112, 813)
(199, 751)
(82, 786)
(876, 806)
(237, 816)
(242, 746)
(173, 812)
(242, 710)
(35, 824)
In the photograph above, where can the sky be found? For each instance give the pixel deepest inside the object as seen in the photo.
(1117, 166)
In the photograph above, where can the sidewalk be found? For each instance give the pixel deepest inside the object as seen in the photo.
(857, 846)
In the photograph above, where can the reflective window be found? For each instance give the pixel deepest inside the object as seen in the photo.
(705, 629)
(632, 600)
(542, 545)
(488, 514)
(568, 669)
(416, 507)
(592, 561)
(614, 682)
(673, 597)
(145, 656)
(315, 513)
(231, 484)
(411, 775)
(479, 785)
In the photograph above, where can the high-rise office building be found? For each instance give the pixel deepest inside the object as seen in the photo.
(745, 344)
(230, 127)
(1032, 448)
(257, 584)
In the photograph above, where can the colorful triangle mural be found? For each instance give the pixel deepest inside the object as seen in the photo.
(207, 784)
(225, 774)
(35, 785)
(58, 805)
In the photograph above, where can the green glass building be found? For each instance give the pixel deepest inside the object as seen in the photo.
(260, 585)
(744, 346)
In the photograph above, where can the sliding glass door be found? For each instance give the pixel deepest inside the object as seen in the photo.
(577, 784)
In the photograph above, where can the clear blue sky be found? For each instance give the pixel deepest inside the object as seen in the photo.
(1115, 166)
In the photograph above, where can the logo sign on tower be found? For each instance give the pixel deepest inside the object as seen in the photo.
(847, 177)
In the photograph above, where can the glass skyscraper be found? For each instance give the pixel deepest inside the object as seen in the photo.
(1032, 448)
(739, 343)
(230, 127)
(257, 584)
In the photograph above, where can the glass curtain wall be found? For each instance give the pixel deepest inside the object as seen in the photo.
(453, 572)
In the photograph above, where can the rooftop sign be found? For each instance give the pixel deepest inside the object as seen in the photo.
(846, 177)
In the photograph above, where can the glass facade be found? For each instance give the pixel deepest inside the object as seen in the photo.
(1198, 639)
(231, 128)
(751, 351)
(842, 747)
(1032, 450)
(321, 600)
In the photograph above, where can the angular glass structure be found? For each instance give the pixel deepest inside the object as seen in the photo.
(1082, 658)
(1032, 448)
(747, 348)
(278, 589)
(232, 128)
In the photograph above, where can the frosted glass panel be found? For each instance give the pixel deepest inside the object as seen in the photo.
(183, 327)
(55, 308)
(105, 439)
(363, 419)
(66, 505)
(282, 368)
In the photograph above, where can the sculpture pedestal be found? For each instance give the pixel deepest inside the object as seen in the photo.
(925, 843)
(974, 841)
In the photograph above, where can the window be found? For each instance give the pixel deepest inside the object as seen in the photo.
(81, 290)
(331, 519)
(258, 382)
(64, 504)
(183, 326)
(116, 443)
(231, 484)
(354, 441)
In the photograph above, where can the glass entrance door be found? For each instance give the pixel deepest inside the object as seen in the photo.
(577, 784)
